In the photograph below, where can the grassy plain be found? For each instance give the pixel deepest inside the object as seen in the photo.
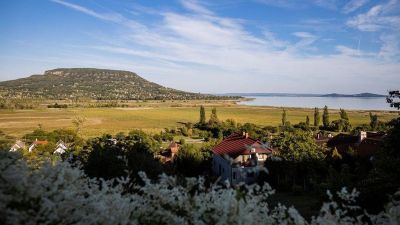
(154, 116)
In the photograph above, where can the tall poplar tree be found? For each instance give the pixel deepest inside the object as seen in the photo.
(284, 121)
(202, 115)
(213, 117)
(316, 117)
(343, 114)
(325, 117)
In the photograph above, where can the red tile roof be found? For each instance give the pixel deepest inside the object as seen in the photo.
(40, 142)
(238, 144)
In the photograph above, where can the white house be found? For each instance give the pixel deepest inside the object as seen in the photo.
(60, 148)
(17, 146)
(239, 158)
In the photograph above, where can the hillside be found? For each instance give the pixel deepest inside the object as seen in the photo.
(99, 84)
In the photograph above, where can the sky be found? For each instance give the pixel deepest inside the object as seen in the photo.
(211, 46)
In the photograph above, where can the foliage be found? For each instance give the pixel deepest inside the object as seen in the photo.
(202, 115)
(394, 99)
(61, 194)
(373, 121)
(213, 117)
(284, 119)
(341, 125)
(108, 157)
(316, 117)
(298, 146)
(6, 141)
(343, 114)
(325, 117)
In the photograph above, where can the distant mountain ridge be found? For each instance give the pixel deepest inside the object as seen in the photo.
(91, 83)
(334, 95)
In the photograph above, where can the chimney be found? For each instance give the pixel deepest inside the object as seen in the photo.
(361, 136)
(247, 135)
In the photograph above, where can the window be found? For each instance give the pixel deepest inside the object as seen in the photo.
(234, 175)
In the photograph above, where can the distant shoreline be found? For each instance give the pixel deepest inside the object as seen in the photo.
(332, 95)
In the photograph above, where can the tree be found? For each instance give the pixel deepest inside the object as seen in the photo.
(343, 114)
(394, 99)
(316, 117)
(78, 122)
(298, 146)
(373, 121)
(284, 121)
(325, 117)
(188, 161)
(307, 121)
(341, 125)
(202, 115)
(213, 117)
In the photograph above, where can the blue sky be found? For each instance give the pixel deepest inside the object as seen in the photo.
(297, 46)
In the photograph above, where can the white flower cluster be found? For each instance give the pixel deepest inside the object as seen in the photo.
(61, 194)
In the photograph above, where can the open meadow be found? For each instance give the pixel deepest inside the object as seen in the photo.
(153, 117)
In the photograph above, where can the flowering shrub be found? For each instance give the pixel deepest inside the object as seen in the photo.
(62, 194)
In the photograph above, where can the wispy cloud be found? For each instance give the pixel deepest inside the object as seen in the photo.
(353, 5)
(196, 7)
(102, 16)
(377, 18)
(199, 46)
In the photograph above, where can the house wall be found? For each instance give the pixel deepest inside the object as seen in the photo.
(222, 168)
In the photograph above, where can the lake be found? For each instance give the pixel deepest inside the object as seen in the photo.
(376, 103)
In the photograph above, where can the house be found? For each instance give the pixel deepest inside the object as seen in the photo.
(35, 144)
(170, 152)
(60, 148)
(17, 146)
(363, 145)
(239, 158)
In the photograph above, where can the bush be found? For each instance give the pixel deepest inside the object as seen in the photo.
(61, 194)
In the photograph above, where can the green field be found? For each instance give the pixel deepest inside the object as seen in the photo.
(154, 117)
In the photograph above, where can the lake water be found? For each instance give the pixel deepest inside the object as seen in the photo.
(311, 102)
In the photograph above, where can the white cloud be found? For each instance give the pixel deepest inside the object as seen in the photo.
(195, 6)
(209, 53)
(102, 16)
(377, 18)
(353, 5)
(390, 48)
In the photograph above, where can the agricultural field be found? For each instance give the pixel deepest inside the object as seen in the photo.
(153, 117)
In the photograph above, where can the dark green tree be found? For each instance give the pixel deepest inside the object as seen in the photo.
(307, 121)
(213, 118)
(343, 114)
(284, 119)
(394, 99)
(202, 115)
(373, 121)
(325, 117)
(298, 146)
(316, 117)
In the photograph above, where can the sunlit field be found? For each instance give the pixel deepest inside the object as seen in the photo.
(153, 118)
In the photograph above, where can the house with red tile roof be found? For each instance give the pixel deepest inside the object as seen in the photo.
(365, 144)
(239, 158)
(36, 143)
